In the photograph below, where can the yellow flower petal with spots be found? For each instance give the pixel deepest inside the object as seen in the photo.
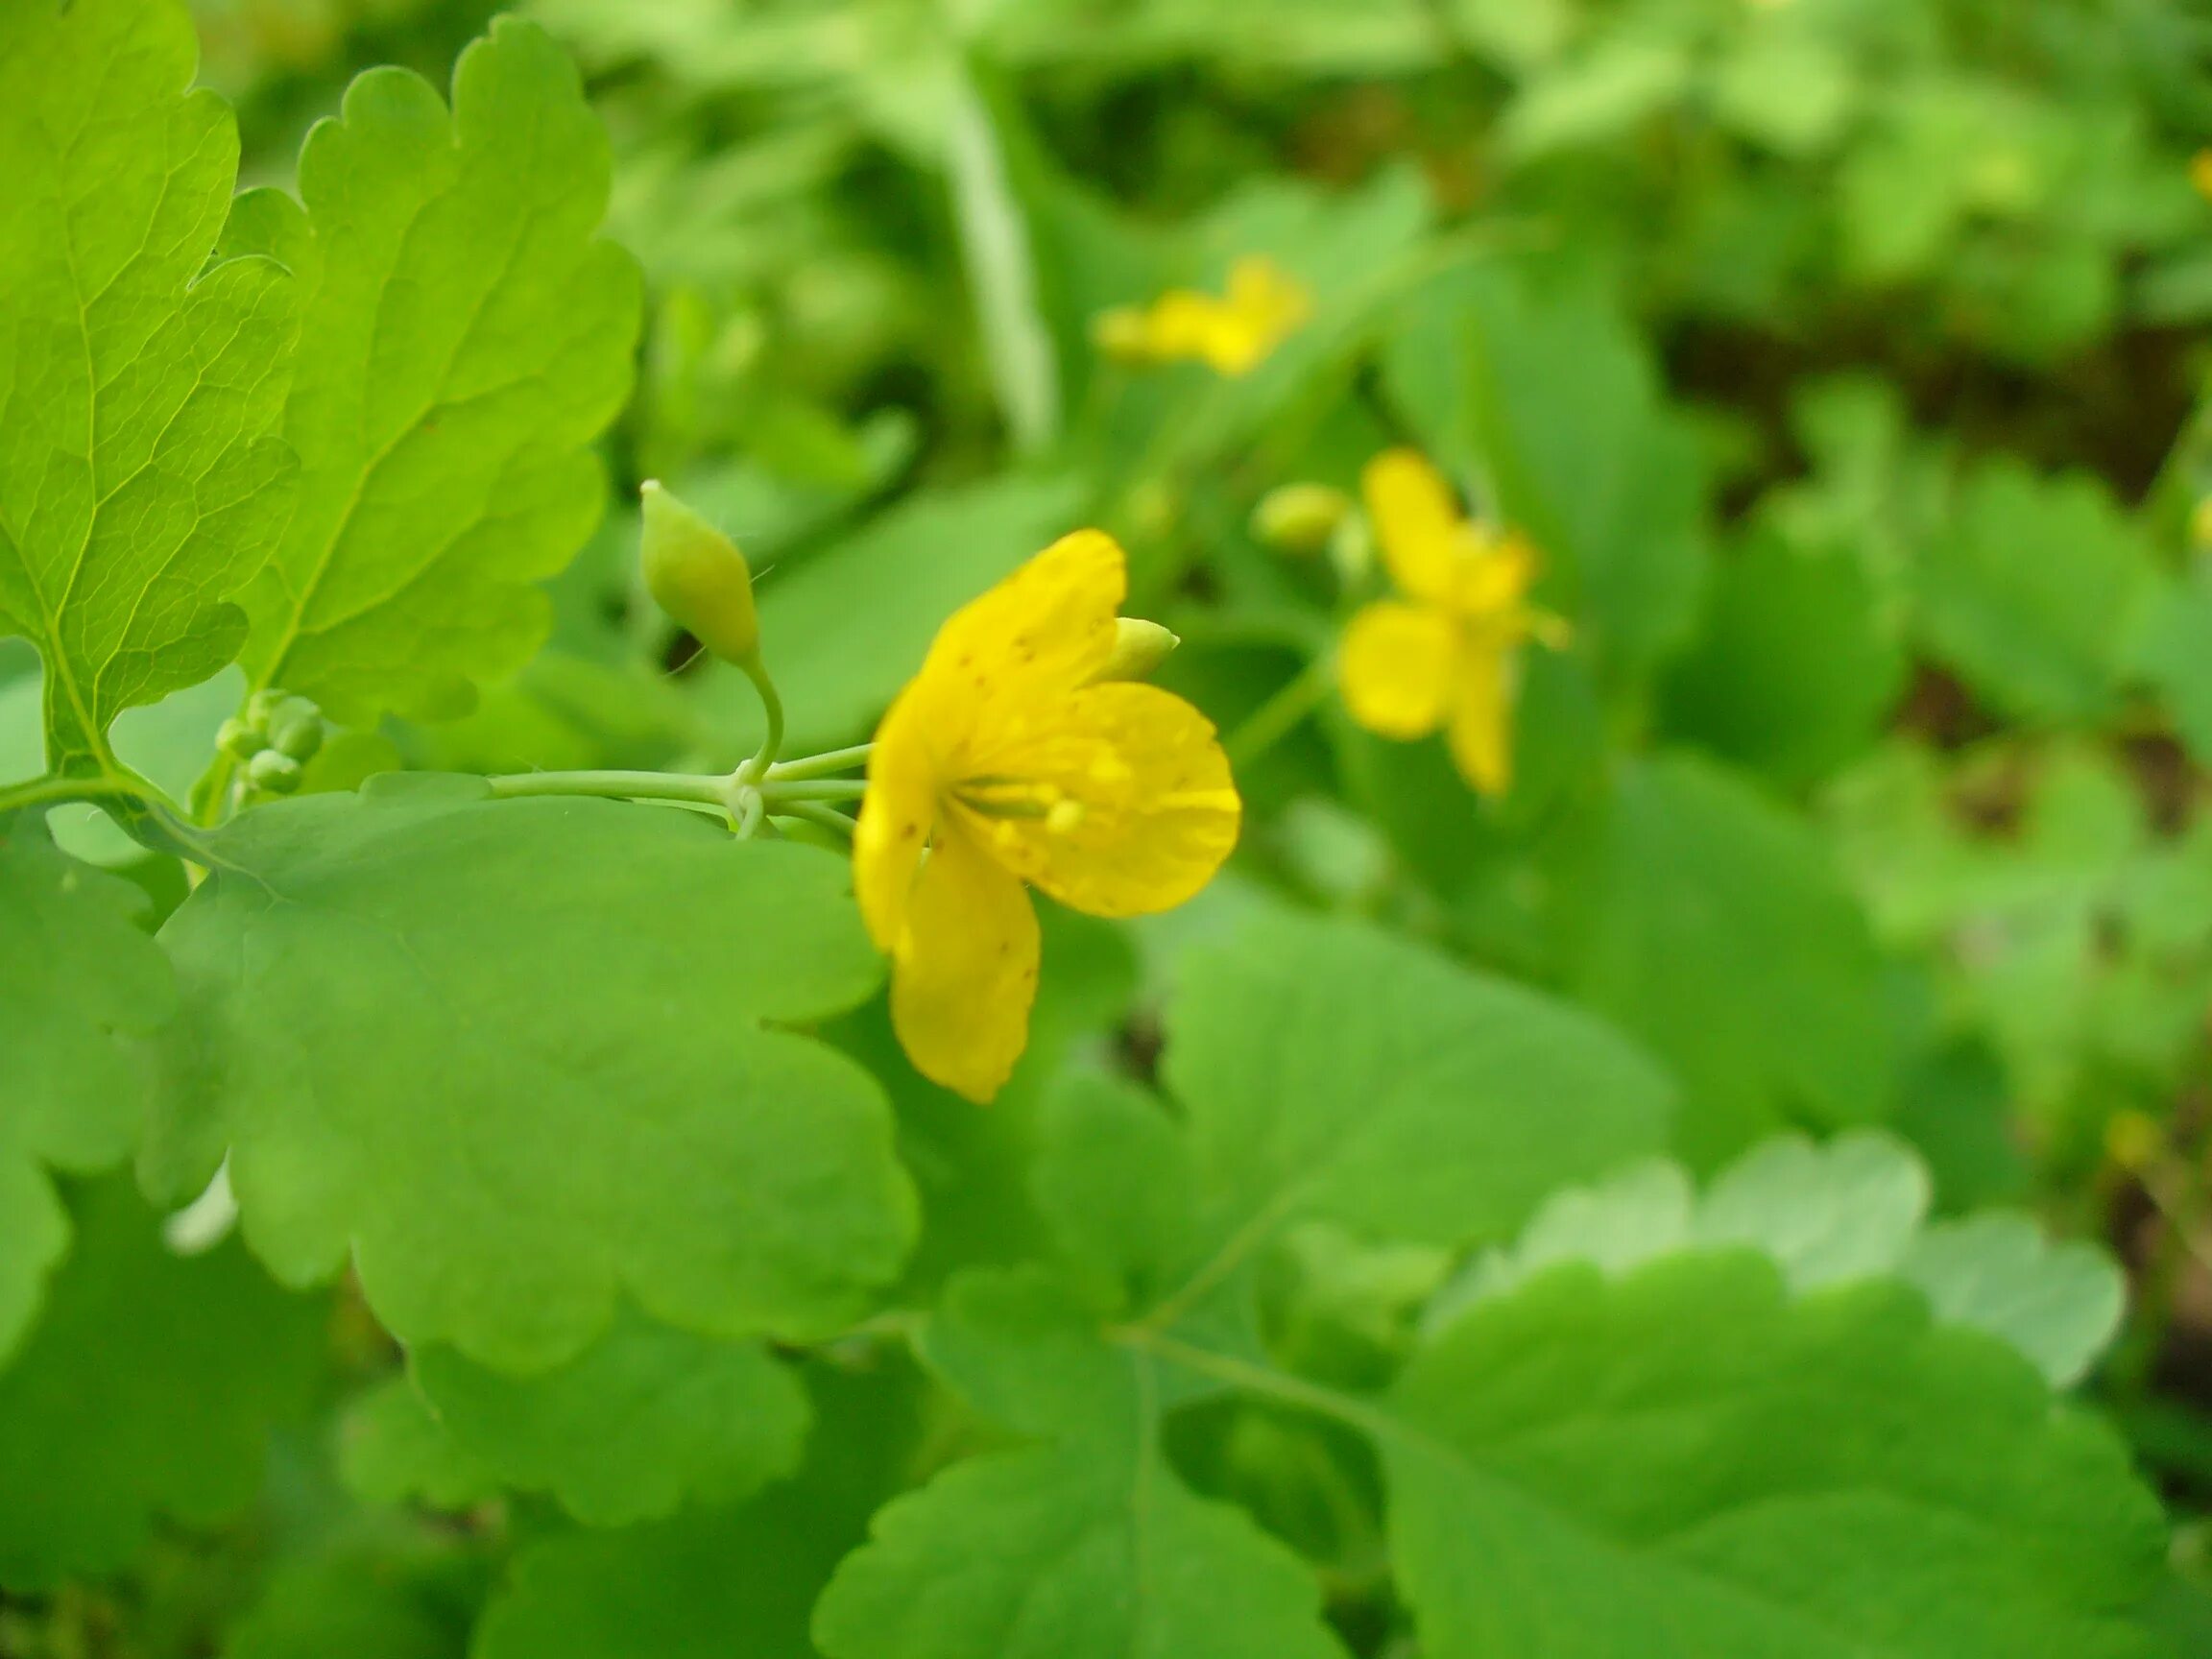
(1396, 667)
(963, 970)
(1123, 806)
(1005, 760)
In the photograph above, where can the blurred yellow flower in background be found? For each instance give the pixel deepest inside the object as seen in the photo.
(1014, 758)
(1232, 335)
(1447, 652)
(2201, 173)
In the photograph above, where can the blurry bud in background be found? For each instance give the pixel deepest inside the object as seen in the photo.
(696, 575)
(1139, 648)
(1301, 518)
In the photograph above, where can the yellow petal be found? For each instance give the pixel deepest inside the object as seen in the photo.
(1048, 624)
(1480, 724)
(898, 814)
(1494, 582)
(1417, 523)
(1396, 667)
(1120, 803)
(964, 973)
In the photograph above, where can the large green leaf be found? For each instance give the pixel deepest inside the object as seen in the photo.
(140, 387)
(147, 1388)
(465, 336)
(1086, 1548)
(1710, 922)
(1331, 1071)
(427, 1052)
(82, 987)
(1687, 1462)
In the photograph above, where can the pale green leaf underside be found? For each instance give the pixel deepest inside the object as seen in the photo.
(465, 337)
(1856, 1208)
(425, 1052)
(141, 482)
(147, 1388)
(80, 989)
(1690, 1462)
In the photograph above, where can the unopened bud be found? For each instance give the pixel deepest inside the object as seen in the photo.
(2201, 523)
(696, 574)
(272, 773)
(296, 728)
(1139, 648)
(1300, 519)
(240, 740)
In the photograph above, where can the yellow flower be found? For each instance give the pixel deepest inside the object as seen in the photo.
(1008, 760)
(1232, 335)
(2201, 173)
(1448, 653)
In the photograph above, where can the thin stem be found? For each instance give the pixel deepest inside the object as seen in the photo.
(820, 765)
(751, 813)
(711, 790)
(772, 702)
(55, 791)
(1281, 714)
(1261, 1380)
(821, 789)
(813, 812)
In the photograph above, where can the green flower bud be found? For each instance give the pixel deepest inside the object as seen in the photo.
(1300, 519)
(296, 728)
(696, 574)
(272, 773)
(240, 740)
(1139, 648)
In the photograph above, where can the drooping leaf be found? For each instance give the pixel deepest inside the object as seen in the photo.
(426, 1052)
(465, 336)
(146, 1390)
(141, 480)
(82, 987)
(712, 1582)
(642, 1421)
(1689, 1462)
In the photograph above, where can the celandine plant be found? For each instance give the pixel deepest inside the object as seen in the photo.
(704, 1203)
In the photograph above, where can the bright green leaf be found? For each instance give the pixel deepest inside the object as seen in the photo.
(141, 481)
(428, 1053)
(465, 336)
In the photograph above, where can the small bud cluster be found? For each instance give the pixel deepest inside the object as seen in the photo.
(274, 739)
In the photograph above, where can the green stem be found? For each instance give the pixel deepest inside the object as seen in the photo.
(777, 789)
(712, 790)
(1264, 1380)
(1282, 713)
(813, 812)
(56, 791)
(757, 768)
(820, 765)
